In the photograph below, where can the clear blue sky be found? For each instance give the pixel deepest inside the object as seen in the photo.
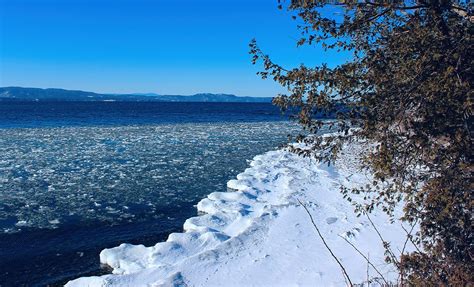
(161, 46)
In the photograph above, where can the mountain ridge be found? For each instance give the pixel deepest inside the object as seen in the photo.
(57, 94)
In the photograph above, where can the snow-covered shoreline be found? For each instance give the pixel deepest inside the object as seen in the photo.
(257, 234)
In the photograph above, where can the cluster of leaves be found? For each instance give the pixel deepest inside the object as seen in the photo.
(408, 91)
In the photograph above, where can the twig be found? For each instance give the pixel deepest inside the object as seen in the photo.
(386, 245)
(325, 244)
(368, 261)
(410, 237)
(404, 247)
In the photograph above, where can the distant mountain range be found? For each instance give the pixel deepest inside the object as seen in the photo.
(37, 94)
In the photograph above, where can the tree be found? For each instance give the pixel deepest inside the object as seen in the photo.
(408, 91)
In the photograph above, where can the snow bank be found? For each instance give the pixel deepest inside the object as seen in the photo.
(257, 234)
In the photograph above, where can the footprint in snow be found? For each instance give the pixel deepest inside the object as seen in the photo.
(331, 220)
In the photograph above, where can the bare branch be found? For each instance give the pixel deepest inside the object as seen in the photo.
(367, 259)
(386, 245)
(325, 244)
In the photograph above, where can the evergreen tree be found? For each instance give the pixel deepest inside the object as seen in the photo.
(408, 91)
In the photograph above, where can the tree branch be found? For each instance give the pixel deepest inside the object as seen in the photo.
(368, 261)
(325, 244)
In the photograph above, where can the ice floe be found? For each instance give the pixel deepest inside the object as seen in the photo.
(52, 177)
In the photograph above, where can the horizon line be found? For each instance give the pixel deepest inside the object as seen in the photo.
(134, 93)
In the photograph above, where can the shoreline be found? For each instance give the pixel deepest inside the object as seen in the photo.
(127, 181)
(258, 234)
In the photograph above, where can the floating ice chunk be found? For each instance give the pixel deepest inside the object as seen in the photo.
(21, 223)
(77, 168)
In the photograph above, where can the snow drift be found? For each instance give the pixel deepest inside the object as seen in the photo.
(257, 233)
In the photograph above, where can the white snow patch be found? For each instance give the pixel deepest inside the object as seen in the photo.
(257, 234)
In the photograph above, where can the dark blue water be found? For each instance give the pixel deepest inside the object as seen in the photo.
(78, 177)
(58, 114)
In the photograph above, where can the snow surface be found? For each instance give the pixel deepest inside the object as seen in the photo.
(257, 234)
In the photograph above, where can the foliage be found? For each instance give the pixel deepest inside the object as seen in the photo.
(408, 89)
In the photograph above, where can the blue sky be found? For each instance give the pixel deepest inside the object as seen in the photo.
(161, 46)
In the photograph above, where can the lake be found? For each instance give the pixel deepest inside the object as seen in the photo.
(78, 177)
